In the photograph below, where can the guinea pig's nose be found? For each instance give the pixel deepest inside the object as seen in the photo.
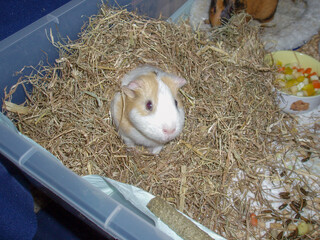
(169, 131)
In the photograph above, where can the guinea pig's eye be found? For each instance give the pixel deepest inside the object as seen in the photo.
(176, 103)
(149, 105)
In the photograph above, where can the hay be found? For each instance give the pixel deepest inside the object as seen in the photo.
(215, 170)
(181, 225)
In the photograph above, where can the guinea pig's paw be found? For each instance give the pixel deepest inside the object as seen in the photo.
(128, 141)
(133, 150)
(155, 150)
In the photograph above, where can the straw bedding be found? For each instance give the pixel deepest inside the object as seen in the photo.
(233, 134)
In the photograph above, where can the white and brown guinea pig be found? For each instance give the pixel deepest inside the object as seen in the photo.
(221, 10)
(148, 111)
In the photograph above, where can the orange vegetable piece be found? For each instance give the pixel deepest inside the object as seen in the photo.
(253, 220)
(312, 74)
(316, 83)
(307, 71)
(281, 69)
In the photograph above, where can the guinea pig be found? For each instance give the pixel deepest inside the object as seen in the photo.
(148, 110)
(221, 10)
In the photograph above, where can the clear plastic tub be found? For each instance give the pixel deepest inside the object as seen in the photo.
(30, 46)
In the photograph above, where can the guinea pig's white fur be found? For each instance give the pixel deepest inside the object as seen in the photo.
(138, 125)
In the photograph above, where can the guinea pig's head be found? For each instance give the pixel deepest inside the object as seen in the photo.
(153, 106)
(220, 11)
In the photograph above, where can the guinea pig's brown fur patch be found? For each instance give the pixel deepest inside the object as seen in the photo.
(215, 12)
(124, 123)
(262, 10)
(147, 90)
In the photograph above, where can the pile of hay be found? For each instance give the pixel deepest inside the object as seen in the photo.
(214, 170)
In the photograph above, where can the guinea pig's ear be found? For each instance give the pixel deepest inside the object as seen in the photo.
(174, 82)
(180, 81)
(130, 89)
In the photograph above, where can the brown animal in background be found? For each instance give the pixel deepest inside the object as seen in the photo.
(221, 10)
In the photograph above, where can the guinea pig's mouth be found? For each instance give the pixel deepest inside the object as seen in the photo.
(167, 138)
(160, 137)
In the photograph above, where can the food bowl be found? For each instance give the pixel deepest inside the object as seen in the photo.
(287, 102)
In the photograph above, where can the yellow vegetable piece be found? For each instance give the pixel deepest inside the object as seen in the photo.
(300, 78)
(291, 83)
(309, 89)
(288, 70)
(279, 63)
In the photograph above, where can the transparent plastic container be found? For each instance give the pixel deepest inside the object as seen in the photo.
(110, 214)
